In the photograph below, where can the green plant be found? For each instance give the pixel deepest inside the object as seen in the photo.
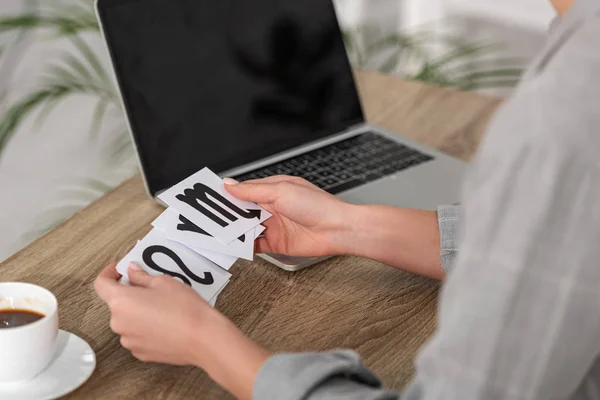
(459, 63)
(78, 72)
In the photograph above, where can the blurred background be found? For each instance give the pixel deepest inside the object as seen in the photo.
(63, 140)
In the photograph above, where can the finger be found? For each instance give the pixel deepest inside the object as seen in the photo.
(110, 272)
(138, 277)
(129, 342)
(107, 282)
(264, 193)
(125, 342)
(261, 245)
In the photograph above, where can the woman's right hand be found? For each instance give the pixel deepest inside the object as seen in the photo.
(309, 222)
(306, 222)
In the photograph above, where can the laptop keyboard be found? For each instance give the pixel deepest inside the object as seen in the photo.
(347, 164)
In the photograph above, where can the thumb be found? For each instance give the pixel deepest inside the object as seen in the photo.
(138, 277)
(265, 193)
(106, 282)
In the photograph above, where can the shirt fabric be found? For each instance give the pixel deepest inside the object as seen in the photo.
(448, 218)
(519, 315)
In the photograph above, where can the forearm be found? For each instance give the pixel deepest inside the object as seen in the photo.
(402, 238)
(235, 361)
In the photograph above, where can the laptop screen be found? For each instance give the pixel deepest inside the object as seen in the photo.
(224, 83)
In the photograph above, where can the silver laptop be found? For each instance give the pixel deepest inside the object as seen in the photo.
(259, 88)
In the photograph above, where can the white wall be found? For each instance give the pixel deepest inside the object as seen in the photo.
(390, 15)
(533, 15)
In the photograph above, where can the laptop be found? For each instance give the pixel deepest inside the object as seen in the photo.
(259, 88)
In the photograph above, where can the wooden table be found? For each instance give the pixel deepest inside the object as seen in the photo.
(345, 302)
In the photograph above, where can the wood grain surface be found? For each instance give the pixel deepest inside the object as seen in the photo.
(345, 302)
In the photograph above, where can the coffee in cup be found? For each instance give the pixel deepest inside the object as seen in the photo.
(28, 330)
(12, 318)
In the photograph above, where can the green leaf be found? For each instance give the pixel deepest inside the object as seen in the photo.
(122, 148)
(493, 84)
(59, 75)
(19, 22)
(481, 65)
(50, 93)
(61, 26)
(77, 66)
(81, 81)
(13, 117)
(466, 52)
(92, 59)
(398, 43)
(47, 108)
(99, 113)
(390, 65)
(495, 73)
(353, 49)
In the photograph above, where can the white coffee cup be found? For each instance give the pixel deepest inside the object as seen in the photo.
(26, 350)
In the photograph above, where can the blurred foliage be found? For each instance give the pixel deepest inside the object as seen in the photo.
(439, 59)
(77, 72)
(60, 17)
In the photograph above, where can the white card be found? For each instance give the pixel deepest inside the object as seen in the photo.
(222, 260)
(180, 229)
(202, 199)
(158, 255)
(258, 230)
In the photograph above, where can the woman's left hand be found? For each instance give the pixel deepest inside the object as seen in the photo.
(162, 320)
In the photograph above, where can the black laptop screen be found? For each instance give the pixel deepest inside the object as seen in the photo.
(221, 83)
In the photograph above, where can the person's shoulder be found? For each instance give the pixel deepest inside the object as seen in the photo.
(556, 109)
(575, 50)
(565, 93)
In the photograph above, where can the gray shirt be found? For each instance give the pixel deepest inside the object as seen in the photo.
(520, 313)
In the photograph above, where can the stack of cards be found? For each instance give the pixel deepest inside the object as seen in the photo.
(200, 236)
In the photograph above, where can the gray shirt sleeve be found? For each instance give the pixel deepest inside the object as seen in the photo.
(520, 313)
(448, 217)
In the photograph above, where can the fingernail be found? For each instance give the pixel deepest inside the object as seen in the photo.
(135, 267)
(230, 181)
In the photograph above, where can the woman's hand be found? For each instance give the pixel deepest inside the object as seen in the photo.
(306, 222)
(162, 320)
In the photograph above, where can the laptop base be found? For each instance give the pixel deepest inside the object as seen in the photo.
(291, 264)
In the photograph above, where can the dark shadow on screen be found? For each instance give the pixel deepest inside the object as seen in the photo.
(300, 84)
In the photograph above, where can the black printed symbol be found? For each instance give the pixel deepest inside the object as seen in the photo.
(199, 194)
(152, 250)
(188, 226)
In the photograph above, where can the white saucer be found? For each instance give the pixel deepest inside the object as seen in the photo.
(71, 366)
